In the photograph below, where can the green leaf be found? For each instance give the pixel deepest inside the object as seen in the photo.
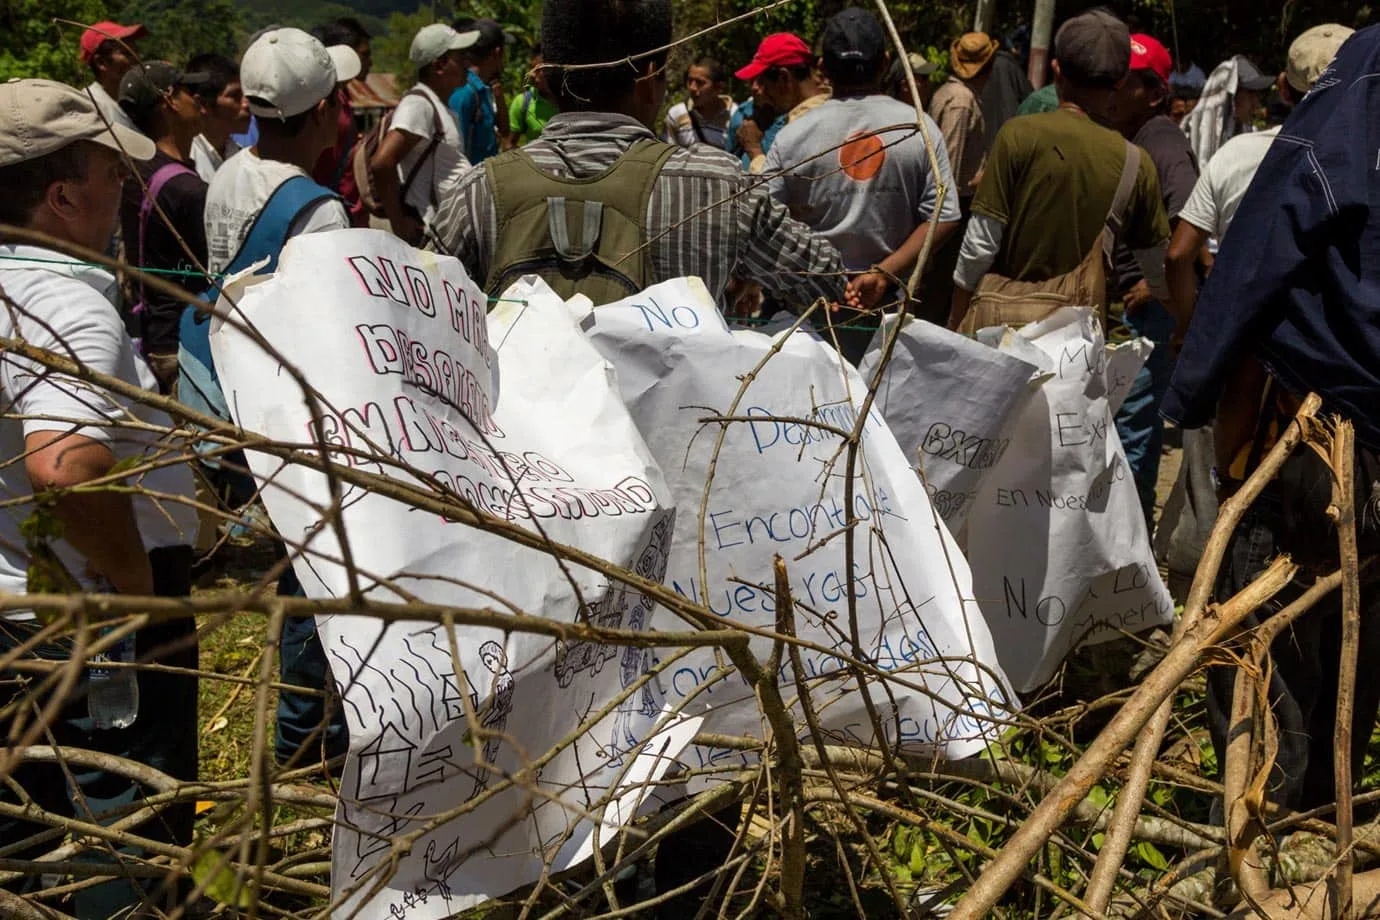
(212, 870)
(1151, 856)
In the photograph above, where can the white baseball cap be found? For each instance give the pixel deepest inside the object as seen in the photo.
(286, 71)
(436, 40)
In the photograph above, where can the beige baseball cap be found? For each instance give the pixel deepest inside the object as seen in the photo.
(1312, 52)
(39, 117)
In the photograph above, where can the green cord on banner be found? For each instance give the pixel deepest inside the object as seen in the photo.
(183, 273)
(173, 272)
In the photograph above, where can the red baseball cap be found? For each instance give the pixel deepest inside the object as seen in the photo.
(1148, 54)
(779, 50)
(93, 37)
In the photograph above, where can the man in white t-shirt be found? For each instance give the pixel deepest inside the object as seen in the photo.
(105, 48)
(290, 80)
(1207, 215)
(1224, 180)
(868, 191)
(423, 147)
(62, 174)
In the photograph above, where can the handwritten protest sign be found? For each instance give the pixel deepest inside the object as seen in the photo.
(779, 487)
(1056, 539)
(950, 402)
(398, 345)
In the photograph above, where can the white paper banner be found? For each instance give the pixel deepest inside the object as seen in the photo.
(950, 401)
(397, 342)
(778, 488)
(1057, 539)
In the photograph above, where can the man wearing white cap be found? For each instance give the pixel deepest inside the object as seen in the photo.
(62, 171)
(423, 145)
(290, 79)
(257, 201)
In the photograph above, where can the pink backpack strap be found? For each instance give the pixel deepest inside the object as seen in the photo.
(161, 177)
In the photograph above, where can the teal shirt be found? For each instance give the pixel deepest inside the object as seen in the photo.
(1044, 99)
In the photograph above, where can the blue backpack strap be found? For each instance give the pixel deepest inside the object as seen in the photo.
(199, 385)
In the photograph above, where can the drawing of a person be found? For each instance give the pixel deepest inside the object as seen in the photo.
(494, 717)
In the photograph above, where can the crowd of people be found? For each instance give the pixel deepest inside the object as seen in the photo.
(1116, 186)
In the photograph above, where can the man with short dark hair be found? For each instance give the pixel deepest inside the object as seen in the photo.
(1052, 184)
(105, 49)
(666, 212)
(704, 117)
(162, 216)
(62, 171)
(857, 179)
(224, 112)
(1141, 118)
(423, 144)
(473, 102)
(782, 76)
(290, 81)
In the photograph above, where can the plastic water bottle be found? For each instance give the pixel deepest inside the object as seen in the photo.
(112, 697)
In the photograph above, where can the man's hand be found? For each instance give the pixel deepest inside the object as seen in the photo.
(750, 138)
(865, 291)
(744, 298)
(1137, 297)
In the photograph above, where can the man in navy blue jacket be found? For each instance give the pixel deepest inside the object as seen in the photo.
(1292, 307)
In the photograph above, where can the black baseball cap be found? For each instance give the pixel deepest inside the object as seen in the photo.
(491, 35)
(145, 86)
(1248, 76)
(853, 42)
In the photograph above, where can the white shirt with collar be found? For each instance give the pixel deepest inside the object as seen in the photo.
(207, 159)
(66, 307)
(109, 107)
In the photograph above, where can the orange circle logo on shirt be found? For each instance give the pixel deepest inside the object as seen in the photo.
(862, 157)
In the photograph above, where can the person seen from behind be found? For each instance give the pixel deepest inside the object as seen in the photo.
(1206, 217)
(261, 198)
(653, 224)
(1289, 309)
(1059, 188)
(857, 171)
(422, 146)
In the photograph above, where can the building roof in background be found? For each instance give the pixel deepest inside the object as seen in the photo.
(377, 91)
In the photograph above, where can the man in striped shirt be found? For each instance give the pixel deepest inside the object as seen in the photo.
(704, 217)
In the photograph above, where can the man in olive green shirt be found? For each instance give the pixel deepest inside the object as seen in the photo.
(1050, 178)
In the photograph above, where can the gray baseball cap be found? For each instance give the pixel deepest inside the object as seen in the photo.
(39, 117)
(1094, 48)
